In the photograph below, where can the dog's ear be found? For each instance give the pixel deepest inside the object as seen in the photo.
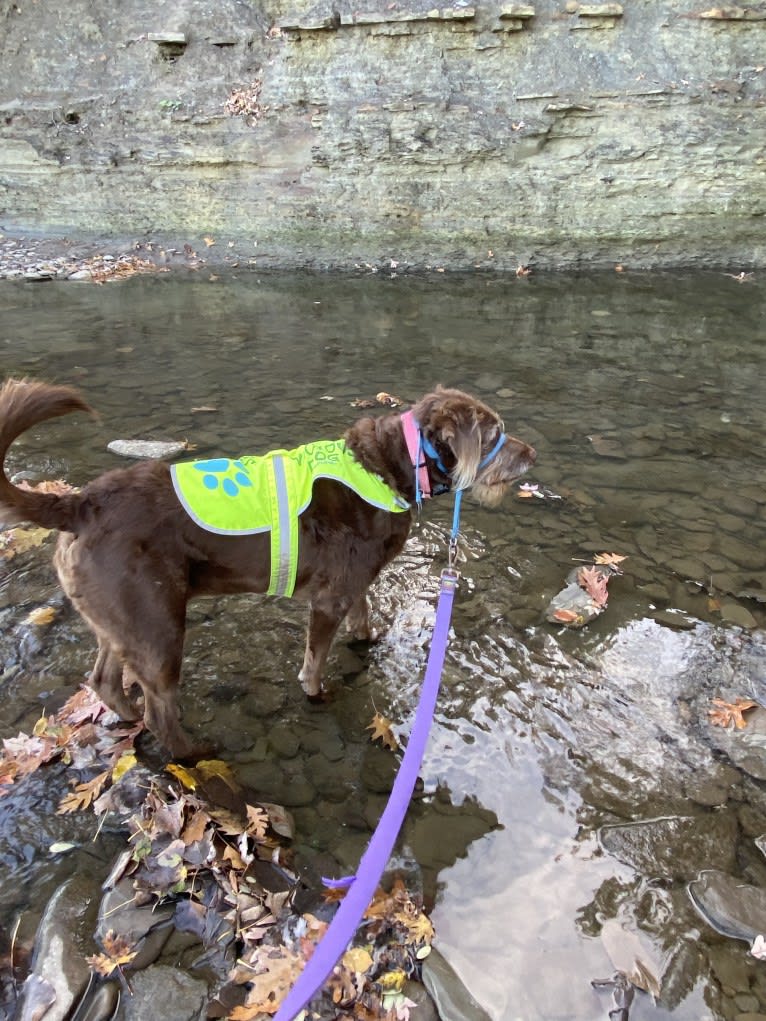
(461, 433)
(450, 421)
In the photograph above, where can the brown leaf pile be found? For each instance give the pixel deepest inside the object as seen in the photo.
(83, 733)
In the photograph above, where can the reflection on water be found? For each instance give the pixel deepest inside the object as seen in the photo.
(644, 398)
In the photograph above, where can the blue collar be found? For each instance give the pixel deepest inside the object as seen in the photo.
(430, 450)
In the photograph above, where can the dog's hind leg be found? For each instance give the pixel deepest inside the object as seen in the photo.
(325, 615)
(358, 620)
(158, 676)
(106, 681)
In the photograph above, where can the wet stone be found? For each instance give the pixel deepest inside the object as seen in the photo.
(331, 780)
(734, 613)
(675, 847)
(148, 449)
(63, 936)
(751, 820)
(745, 747)
(165, 992)
(145, 926)
(452, 1000)
(263, 776)
(749, 1005)
(708, 791)
(233, 740)
(378, 770)
(731, 907)
(675, 619)
(284, 740)
(265, 700)
(293, 793)
(424, 1009)
(656, 592)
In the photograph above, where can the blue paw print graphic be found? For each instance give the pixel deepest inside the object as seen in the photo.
(221, 471)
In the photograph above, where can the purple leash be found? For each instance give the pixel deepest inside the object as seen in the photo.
(341, 930)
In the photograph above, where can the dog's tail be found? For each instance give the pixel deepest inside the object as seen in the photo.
(24, 403)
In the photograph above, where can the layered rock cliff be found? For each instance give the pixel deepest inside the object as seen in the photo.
(486, 133)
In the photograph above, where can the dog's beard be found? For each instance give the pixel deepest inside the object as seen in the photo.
(489, 494)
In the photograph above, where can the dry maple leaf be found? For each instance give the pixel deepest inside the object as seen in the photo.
(730, 712)
(609, 559)
(419, 927)
(594, 583)
(381, 731)
(117, 952)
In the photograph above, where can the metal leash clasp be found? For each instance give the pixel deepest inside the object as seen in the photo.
(452, 554)
(450, 577)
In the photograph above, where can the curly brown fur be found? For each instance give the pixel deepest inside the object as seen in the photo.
(130, 558)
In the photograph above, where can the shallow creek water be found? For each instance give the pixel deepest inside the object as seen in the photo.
(572, 780)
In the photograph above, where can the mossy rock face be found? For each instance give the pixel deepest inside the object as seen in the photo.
(499, 135)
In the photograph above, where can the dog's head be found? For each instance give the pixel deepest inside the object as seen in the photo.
(464, 432)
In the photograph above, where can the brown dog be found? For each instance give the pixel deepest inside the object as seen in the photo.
(130, 555)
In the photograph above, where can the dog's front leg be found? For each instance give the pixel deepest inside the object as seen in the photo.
(325, 615)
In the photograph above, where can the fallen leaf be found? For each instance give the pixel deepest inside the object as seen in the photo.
(566, 616)
(357, 959)
(392, 980)
(730, 712)
(19, 540)
(419, 927)
(274, 972)
(608, 559)
(186, 776)
(117, 952)
(61, 847)
(257, 821)
(594, 583)
(388, 400)
(83, 795)
(206, 769)
(381, 731)
(208, 240)
(195, 827)
(125, 763)
(280, 819)
(42, 615)
(83, 705)
(56, 486)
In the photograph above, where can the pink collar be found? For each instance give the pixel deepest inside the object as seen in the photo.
(414, 443)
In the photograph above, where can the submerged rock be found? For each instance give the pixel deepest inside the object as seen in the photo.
(674, 847)
(165, 992)
(452, 999)
(746, 747)
(60, 972)
(730, 906)
(148, 449)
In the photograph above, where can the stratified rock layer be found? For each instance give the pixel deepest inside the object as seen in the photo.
(495, 134)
